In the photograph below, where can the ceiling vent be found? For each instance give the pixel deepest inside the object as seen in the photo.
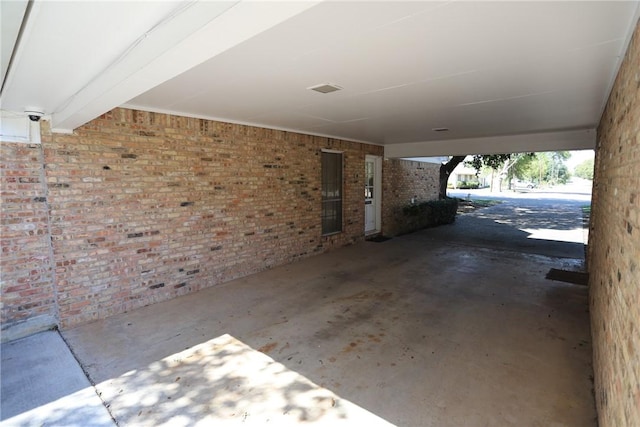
(325, 88)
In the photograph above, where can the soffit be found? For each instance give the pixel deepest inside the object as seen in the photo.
(480, 69)
(477, 68)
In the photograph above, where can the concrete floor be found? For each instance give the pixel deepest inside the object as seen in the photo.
(414, 331)
(43, 385)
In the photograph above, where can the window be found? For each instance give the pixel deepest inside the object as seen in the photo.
(331, 192)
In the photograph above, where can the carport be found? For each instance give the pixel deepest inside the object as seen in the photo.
(155, 158)
(411, 331)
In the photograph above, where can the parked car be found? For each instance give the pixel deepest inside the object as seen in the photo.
(523, 185)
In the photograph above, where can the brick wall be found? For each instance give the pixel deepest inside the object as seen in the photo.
(146, 206)
(403, 180)
(26, 274)
(614, 245)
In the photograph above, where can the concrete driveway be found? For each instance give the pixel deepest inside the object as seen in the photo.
(415, 331)
(538, 222)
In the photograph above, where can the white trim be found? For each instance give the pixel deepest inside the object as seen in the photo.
(17, 127)
(377, 196)
(582, 139)
(378, 189)
(437, 160)
(241, 122)
(200, 31)
(327, 150)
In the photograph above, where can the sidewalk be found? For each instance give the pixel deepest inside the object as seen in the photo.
(43, 385)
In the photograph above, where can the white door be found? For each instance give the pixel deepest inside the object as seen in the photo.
(371, 194)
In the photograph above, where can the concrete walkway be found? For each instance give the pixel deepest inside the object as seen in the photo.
(414, 331)
(43, 385)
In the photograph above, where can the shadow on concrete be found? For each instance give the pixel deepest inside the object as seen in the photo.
(225, 380)
(545, 227)
(448, 326)
(416, 331)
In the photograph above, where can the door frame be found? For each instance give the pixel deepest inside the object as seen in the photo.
(377, 192)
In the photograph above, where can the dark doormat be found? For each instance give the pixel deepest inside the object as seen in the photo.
(575, 277)
(378, 239)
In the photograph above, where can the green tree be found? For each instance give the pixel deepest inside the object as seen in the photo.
(584, 170)
(445, 172)
(559, 173)
(522, 166)
(546, 168)
(495, 161)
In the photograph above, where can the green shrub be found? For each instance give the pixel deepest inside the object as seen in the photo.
(469, 185)
(432, 213)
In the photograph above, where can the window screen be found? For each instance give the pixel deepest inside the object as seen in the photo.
(331, 192)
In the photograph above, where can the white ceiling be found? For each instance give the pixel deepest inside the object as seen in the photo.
(502, 76)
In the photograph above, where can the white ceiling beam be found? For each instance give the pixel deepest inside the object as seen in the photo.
(584, 139)
(150, 62)
(11, 17)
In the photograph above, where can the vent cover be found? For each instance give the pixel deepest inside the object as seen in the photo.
(326, 88)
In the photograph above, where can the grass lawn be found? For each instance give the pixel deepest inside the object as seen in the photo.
(465, 206)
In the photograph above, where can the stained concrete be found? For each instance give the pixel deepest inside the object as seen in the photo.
(414, 331)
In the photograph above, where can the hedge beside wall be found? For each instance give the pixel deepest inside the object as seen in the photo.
(426, 214)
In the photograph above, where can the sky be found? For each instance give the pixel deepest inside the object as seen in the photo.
(578, 157)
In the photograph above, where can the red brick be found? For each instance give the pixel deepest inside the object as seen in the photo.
(138, 199)
(25, 263)
(402, 181)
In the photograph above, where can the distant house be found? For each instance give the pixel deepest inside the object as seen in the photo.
(464, 176)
